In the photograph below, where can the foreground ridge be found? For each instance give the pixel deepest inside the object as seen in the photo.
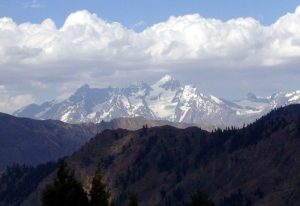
(256, 164)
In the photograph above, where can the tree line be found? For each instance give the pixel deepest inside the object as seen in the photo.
(67, 191)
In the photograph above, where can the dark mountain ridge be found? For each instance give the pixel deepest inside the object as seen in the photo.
(32, 142)
(257, 165)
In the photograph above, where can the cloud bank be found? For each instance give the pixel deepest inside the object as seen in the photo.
(89, 49)
(9, 103)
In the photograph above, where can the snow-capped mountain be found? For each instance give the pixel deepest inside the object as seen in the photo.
(262, 105)
(166, 99)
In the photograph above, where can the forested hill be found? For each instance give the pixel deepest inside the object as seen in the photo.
(255, 165)
(32, 142)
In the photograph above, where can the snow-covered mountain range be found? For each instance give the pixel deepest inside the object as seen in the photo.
(167, 99)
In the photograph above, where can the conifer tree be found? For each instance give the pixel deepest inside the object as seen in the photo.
(200, 199)
(133, 200)
(98, 194)
(65, 191)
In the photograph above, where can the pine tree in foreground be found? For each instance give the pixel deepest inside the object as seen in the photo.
(65, 191)
(133, 200)
(200, 199)
(98, 194)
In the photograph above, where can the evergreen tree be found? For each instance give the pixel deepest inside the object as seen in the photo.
(144, 130)
(65, 191)
(133, 200)
(112, 202)
(200, 199)
(98, 194)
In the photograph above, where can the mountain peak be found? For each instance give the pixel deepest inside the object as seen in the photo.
(166, 78)
(168, 82)
(164, 100)
(251, 96)
(80, 93)
(83, 88)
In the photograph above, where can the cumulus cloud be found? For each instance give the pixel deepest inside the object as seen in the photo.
(89, 49)
(86, 37)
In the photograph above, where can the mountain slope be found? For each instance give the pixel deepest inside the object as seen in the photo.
(32, 142)
(165, 165)
(19, 181)
(166, 99)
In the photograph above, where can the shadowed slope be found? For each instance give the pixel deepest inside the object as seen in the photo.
(165, 165)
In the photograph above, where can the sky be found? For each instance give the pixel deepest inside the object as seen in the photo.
(226, 48)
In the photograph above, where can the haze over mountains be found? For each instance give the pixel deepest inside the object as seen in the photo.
(166, 99)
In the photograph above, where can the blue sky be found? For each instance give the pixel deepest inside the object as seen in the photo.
(142, 13)
(115, 43)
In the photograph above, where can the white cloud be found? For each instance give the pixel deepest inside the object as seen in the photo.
(10, 103)
(89, 49)
(38, 85)
(87, 37)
